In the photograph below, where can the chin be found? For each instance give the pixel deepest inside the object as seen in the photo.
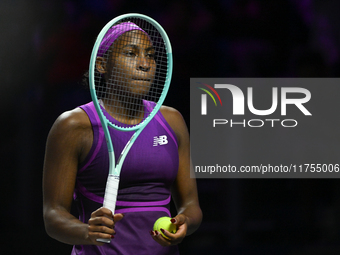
(140, 88)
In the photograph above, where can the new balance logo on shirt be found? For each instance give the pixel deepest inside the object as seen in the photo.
(160, 140)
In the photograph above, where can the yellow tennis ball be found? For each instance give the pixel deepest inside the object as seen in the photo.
(165, 223)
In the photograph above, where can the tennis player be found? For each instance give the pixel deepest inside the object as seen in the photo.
(156, 169)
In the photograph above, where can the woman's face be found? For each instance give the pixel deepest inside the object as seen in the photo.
(131, 66)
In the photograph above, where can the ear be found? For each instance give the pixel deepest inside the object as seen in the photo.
(101, 65)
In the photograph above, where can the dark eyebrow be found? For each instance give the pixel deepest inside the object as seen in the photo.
(136, 47)
(150, 48)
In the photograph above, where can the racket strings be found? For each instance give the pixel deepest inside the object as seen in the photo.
(135, 66)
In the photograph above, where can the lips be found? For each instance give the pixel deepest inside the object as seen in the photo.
(141, 79)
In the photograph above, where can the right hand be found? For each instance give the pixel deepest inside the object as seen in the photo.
(101, 225)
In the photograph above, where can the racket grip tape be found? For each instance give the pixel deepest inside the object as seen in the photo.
(111, 192)
(110, 198)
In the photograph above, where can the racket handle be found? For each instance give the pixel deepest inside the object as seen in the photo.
(111, 192)
(110, 198)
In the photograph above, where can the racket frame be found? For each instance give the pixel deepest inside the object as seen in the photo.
(114, 170)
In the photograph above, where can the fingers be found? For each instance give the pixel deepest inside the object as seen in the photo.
(156, 235)
(178, 219)
(117, 217)
(166, 238)
(101, 217)
(99, 238)
(101, 225)
(101, 220)
(102, 211)
(96, 232)
(169, 239)
(104, 216)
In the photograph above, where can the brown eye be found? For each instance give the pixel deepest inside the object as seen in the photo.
(151, 55)
(130, 53)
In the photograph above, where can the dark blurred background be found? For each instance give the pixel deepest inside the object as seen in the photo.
(45, 48)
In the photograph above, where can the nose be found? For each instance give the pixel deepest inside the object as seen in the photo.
(143, 63)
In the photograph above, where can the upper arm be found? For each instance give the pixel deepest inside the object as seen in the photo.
(66, 145)
(184, 189)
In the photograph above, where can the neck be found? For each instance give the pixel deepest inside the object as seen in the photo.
(129, 112)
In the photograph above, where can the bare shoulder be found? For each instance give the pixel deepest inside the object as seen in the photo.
(175, 120)
(73, 119)
(71, 124)
(172, 116)
(72, 130)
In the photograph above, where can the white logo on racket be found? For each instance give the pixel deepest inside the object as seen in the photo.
(160, 140)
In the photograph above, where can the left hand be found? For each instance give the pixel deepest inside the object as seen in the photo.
(181, 222)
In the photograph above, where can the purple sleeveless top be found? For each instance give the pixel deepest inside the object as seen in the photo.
(144, 195)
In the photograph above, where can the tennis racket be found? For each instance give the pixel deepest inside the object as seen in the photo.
(129, 76)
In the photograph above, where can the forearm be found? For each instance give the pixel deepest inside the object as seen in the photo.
(64, 227)
(193, 214)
